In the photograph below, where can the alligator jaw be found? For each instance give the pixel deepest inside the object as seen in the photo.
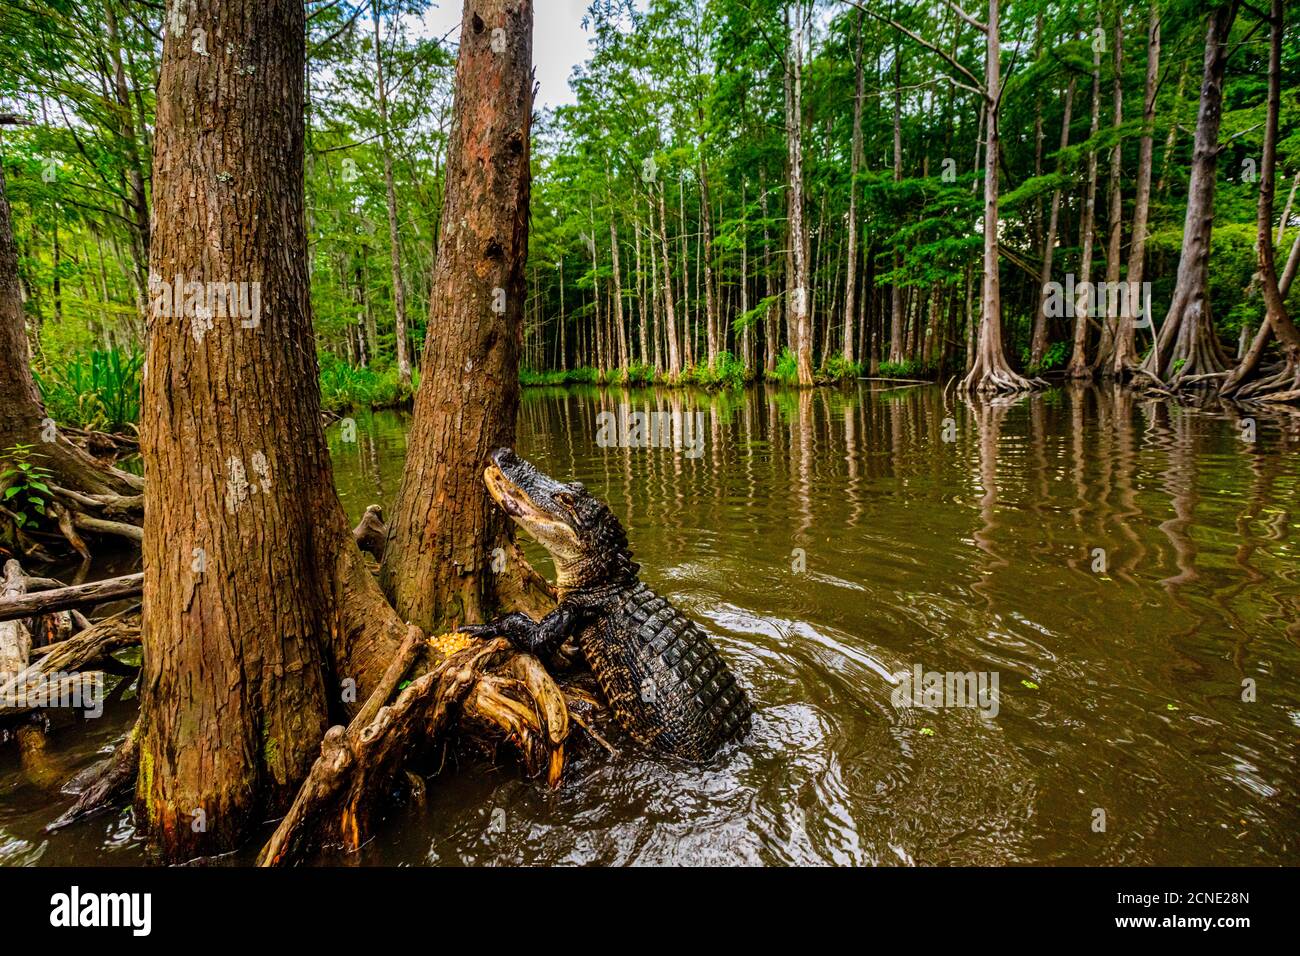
(555, 535)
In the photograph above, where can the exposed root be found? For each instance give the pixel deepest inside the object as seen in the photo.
(484, 681)
(110, 786)
(371, 534)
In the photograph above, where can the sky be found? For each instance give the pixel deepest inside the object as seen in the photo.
(559, 42)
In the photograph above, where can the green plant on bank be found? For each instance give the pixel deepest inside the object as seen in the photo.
(787, 368)
(1054, 358)
(837, 368)
(343, 387)
(23, 482)
(572, 376)
(638, 373)
(98, 389)
(727, 371)
(908, 368)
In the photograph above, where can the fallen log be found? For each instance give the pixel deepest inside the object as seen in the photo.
(75, 596)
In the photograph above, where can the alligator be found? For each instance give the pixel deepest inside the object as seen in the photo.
(665, 682)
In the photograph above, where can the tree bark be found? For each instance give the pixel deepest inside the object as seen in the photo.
(445, 526)
(257, 606)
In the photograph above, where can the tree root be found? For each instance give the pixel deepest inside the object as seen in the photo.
(113, 782)
(489, 683)
(371, 534)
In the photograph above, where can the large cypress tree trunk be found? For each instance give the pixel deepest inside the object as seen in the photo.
(262, 625)
(445, 527)
(256, 603)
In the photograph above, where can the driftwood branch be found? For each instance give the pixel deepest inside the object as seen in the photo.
(78, 596)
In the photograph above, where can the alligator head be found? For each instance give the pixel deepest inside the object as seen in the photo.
(583, 537)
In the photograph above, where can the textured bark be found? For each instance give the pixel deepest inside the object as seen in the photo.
(1187, 344)
(444, 526)
(255, 597)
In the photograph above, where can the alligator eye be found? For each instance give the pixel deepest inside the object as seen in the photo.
(578, 487)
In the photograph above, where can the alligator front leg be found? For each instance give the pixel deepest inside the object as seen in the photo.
(536, 637)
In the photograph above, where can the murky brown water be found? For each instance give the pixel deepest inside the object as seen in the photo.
(831, 540)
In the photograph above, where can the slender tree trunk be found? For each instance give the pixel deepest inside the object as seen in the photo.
(794, 140)
(445, 526)
(990, 371)
(1187, 344)
(855, 162)
(670, 318)
(896, 346)
(394, 245)
(771, 333)
(1038, 338)
(1079, 368)
(1277, 319)
(1126, 352)
(1115, 207)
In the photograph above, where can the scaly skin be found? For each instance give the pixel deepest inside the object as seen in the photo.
(665, 682)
